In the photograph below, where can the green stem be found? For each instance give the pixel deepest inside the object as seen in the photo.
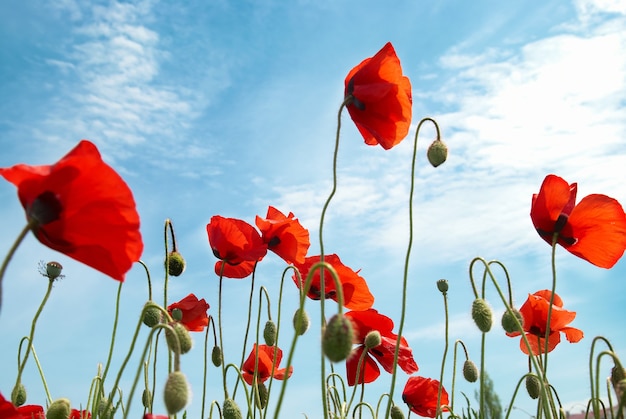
(31, 224)
(445, 353)
(245, 338)
(43, 379)
(117, 315)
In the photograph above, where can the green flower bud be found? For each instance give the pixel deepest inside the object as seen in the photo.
(269, 333)
(301, 322)
(146, 398)
(617, 375)
(533, 386)
(176, 394)
(338, 338)
(470, 372)
(18, 395)
(184, 338)
(59, 409)
(177, 314)
(216, 356)
(230, 410)
(176, 264)
(396, 412)
(152, 315)
(482, 315)
(437, 152)
(508, 321)
(105, 410)
(261, 400)
(442, 286)
(372, 339)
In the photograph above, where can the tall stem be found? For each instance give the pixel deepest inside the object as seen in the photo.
(12, 250)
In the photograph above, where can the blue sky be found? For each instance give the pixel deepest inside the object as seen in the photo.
(225, 108)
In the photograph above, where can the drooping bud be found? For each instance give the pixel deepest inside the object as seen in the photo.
(396, 412)
(176, 264)
(152, 315)
(301, 322)
(146, 398)
(18, 395)
(617, 375)
(533, 386)
(470, 372)
(508, 321)
(59, 409)
(338, 338)
(177, 314)
(184, 338)
(269, 333)
(482, 315)
(261, 400)
(216, 356)
(437, 152)
(442, 286)
(372, 339)
(230, 410)
(176, 393)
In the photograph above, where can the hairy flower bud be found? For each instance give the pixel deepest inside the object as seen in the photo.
(508, 321)
(184, 338)
(533, 386)
(482, 315)
(437, 152)
(301, 322)
(261, 400)
(176, 264)
(230, 410)
(372, 339)
(269, 333)
(396, 412)
(152, 315)
(18, 395)
(59, 409)
(442, 286)
(176, 393)
(216, 356)
(338, 338)
(177, 314)
(105, 409)
(146, 398)
(470, 372)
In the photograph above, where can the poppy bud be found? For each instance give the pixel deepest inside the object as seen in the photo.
(533, 386)
(437, 152)
(105, 409)
(216, 356)
(152, 315)
(177, 314)
(184, 338)
(617, 375)
(146, 398)
(261, 401)
(481, 313)
(176, 264)
(59, 409)
(338, 338)
(301, 322)
(176, 394)
(396, 412)
(269, 333)
(53, 270)
(470, 372)
(442, 286)
(18, 395)
(372, 339)
(508, 321)
(230, 410)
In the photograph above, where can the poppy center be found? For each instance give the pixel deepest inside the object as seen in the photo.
(45, 209)
(353, 100)
(274, 241)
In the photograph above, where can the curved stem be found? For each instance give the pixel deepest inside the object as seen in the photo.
(9, 255)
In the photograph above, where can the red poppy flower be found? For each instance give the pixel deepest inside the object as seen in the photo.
(151, 416)
(284, 235)
(79, 414)
(264, 365)
(356, 294)
(535, 314)
(234, 241)
(239, 271)
(82, 208)
(594, 229)
(421, 393)
(380, 103)
(28, 411)
(194, 311)
(363, 323)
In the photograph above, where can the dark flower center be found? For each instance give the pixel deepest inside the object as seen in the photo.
(353, 100)
(274, 241)
(45, 209)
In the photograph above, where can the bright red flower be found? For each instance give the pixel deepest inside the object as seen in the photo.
(381, 103)
(239, 271)
(28, 411)
(194, 311)
(356, 294)
(79, 414)
(535, 314)
(264, 365)
(367, 321)
(82, 208)
(421, 393)
(234, 241)
(151, 416)
(284, 235)
(594, 229)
